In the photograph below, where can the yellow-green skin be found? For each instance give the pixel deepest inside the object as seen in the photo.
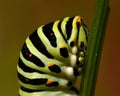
(68, 65)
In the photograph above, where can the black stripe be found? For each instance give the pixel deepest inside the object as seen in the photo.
(26, 68)
(52, 84)
(69, 27)
(76, 73)
(29, 90)
(39, 45)
(54, 68)
(48, 32)
(37, 81)
(64, 52)
(60, 30)
(26, 53)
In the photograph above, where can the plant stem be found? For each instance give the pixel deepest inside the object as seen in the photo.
(95, 44)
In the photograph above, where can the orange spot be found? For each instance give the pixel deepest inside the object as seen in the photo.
(49, 81)
(79, 19)
(30, 55)
(62, 46)
(51, 64)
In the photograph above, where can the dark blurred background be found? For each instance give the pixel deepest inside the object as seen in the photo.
(19, 18)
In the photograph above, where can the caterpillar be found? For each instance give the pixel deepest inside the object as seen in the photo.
(52, 58)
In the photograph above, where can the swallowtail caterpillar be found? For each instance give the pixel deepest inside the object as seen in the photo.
(52, 57)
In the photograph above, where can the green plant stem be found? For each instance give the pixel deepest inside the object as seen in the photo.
(95, 44)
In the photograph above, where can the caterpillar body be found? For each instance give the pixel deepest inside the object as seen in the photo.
(52, 57)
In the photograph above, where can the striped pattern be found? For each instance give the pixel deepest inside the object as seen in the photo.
(52, 57)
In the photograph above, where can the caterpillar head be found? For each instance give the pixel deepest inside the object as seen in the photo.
(82, 44)
(79, 41)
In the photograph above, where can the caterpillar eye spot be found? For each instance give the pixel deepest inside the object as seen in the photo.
(72, 43)
(50, 64)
